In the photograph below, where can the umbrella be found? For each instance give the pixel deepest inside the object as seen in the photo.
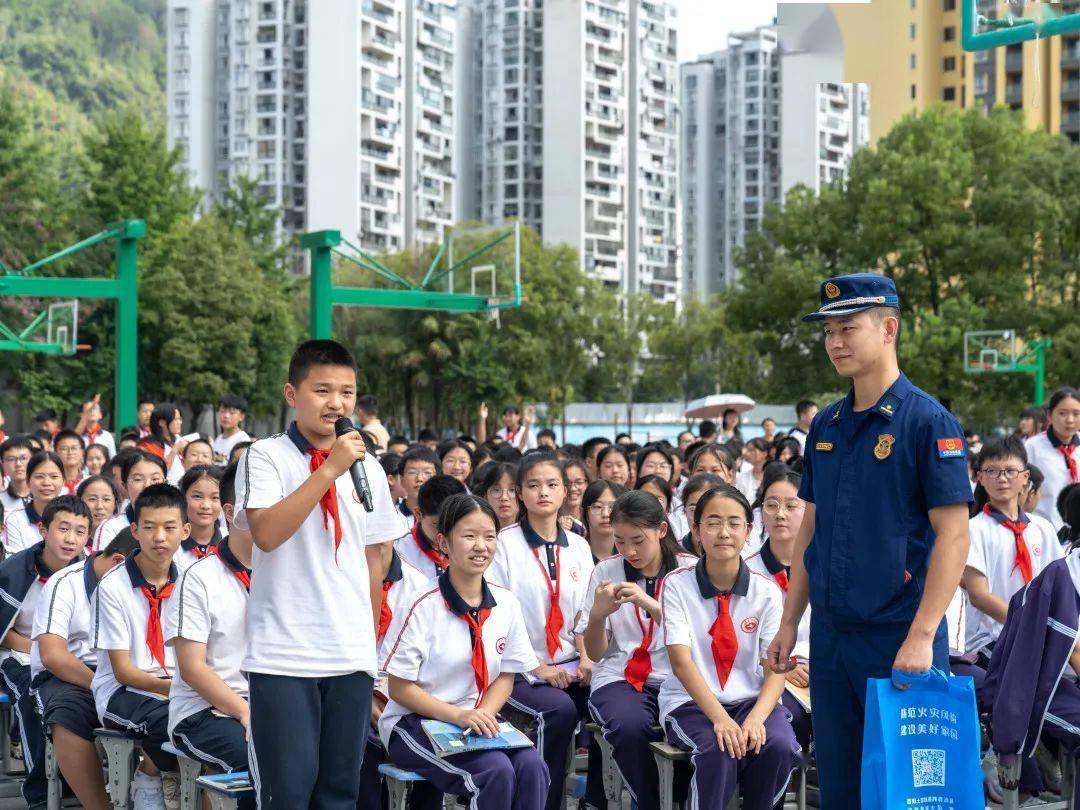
(713, 406)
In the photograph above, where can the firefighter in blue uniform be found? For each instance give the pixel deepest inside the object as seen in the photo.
(884, 538)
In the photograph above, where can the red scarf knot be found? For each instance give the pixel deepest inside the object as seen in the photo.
(155, 639)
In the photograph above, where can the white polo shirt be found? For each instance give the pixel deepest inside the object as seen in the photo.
(799, 435)
(627, 626)
(22, 529)
(524, 563)
(690, 608)
(411, 548)
(747, 484)
(104, 438)
(407, 583)
(9, 501)
(764, 562)
(432, 646)
(530, 443)
(119, 611)
(209, 606)
(992, 552)
(1055, 470)
(64, 611)
(108, 529)
(223, 445)
(23, 623)
(309, 607)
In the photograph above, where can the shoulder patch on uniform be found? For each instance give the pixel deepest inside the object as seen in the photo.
(950, 448)
(825, 447)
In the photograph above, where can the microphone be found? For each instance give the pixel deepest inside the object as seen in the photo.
(359, 477)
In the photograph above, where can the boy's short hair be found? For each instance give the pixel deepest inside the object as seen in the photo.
(804, 405)
(124, 543)
(233, 401)
(397, 438)
(145, 399)
(199, 440)
(591, 444)
(317, 353)
(160, 496)
(66, 503)
(436, 490)
(511, 409)
(999, 449)
(1035, 477)
(46, 415)
(128, 463)
(547, 433)
(67, 433)
(239, 447)
(427, 435)
(706, 428)
(368, 404)
(15, 443)
(227, 485)
(419, 454)
(391, 463)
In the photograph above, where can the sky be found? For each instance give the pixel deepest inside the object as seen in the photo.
(705, 24)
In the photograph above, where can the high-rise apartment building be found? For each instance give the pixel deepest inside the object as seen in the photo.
(730, 154)
(355, 135)
(575, 131)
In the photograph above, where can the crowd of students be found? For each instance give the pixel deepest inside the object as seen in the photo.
(212, 593)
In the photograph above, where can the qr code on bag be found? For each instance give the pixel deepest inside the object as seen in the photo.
(928, 767)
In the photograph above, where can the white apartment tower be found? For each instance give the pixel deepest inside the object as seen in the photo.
(576, 129)
(354, 135)
(730, 154)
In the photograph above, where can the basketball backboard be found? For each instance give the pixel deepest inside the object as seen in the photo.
(63, 327)
(993, 23)
(991, 350)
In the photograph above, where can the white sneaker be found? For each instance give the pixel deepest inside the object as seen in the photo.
(146, 792)
(170, 788)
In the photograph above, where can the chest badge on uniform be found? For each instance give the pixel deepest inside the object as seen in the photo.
(884, 446)
(824, 447)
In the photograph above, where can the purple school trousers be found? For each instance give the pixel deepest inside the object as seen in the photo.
(629, 721)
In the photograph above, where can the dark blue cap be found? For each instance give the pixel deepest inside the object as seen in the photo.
(846, 295)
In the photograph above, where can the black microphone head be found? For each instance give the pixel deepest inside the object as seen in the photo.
(344, 425)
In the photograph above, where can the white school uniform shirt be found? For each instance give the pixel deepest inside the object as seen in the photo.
(23, 623)
(800, 436)
(626, 627)
(764, 562)
(119, 611)
(992, 552)
(223, 445)
(757, 536)
(309, 604)
(209, 606)
(104, 438)
(677, 519)
(410, 547)
(747, 484)
(64, 611)
(432, 646)
(521, 564)
(956, 622)
(108, 529)
(22, 529)
(530, 443)
(690, 608)
(408, 584)
(10, 501)
(176, 469)
(190, 552)
(1042, 453)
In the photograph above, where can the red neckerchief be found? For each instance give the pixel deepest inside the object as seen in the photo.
(155, 639)
(328, 502)
(242, 575)
(438, 559)
(725, 644)
(554, 623)
(152, 447)
(92, 434)
(510, 434)
(71, 486)
(479, 659)
(385, 614)
(1023, 556)
(1068, 451)
(639, 665)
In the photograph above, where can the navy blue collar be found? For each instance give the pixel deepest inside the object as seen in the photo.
(634, 574)
(772, 564)
(297, 438)
(403, 507)
(189, 544)
(40, 569)
(1056, 442)
(458, 605)
(688, 543)
(1000, 517)
(709, 591)
(422, 538)
(129, 510)
(394, 573)
(136, 575)
(229, 559)
(536, 541)
(32, 513)
(90, 577)
(886, 406)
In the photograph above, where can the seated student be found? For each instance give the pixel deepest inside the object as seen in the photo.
(719, 618)
(782, 512)
(682, 520)
(205, 626)
(15, 452)
(419, 547)
(596, 506)
(548, 570)
(45, 476)
(714, 459)
(197, 453)
(62, 663)
(97, 456)
(391, 464)
(397, 444)
(571, 517)
(138, 470)
(619, 622)
(417, 466)
(201, 488)
(231, 412)
(1029, 498)
(65, 523)
(454, 657)
(89, 427)
(134, 667)
(101, 497)
(1008, 547)
(69, 446)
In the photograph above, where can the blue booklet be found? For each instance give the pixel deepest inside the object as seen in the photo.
(448, 739)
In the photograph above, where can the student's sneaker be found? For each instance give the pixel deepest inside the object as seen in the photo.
(146, 792)
(170, 788)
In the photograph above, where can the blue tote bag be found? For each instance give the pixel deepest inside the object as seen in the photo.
(921, 744)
